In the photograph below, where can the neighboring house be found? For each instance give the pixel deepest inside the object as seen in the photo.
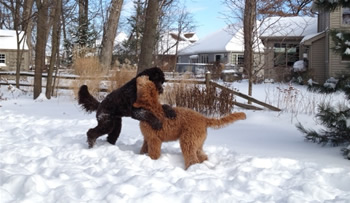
(323, 62)
(225, 46)
(169, 45)
(165, 53)
(8, 51)
(281, 37)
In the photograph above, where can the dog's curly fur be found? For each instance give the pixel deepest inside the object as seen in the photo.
(118, 104)
(189, 126)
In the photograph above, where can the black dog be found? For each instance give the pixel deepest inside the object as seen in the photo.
(118, 104)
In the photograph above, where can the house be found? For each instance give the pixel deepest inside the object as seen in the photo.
(281, 37)
(8, 51)
(169, 46)
(323, 61)
(166, 49)
(224, 46)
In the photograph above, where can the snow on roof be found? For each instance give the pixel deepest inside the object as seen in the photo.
(288, 26)
(121, 36)
(219, 41)
(310, 36)
(223, 40)
(167, 44)
(8, 40)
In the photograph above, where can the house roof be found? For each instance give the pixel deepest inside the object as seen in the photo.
(8, 40)
(220, 41)
(295, 26)
(167, 43)
(308, 39)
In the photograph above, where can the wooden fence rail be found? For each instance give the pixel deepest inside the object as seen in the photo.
(208, 82)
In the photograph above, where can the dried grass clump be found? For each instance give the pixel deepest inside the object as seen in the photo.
(208, 101)
(91, 74)
(122, 76)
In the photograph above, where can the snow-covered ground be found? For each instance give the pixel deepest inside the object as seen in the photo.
(44, 158)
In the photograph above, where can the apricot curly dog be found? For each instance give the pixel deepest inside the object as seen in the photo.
(189, 126)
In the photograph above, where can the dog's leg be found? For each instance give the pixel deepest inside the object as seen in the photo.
(103, 127)
(200, 153)
(169, 112)
(154, 147)
(144, 115)
(114, 134)
(144, 148)
(189, 152)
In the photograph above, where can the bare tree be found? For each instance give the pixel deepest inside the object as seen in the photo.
(41, 39)
(284, 7)
(55, 38)
(109, 33)
(248, 29)
(184, 23)
(149, 35)
(83, 22)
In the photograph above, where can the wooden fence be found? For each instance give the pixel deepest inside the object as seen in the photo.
(208, 82)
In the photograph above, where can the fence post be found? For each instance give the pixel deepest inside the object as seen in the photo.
(207, 79)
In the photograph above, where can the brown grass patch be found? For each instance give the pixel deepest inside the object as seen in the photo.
(92, 74)
(208, 101)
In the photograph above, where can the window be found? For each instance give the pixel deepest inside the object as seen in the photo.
(2, 58)
(346, 16)
(204, 58)
(285, 54)
(237, 59)
(240, 60)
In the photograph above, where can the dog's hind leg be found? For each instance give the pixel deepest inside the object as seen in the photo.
(144, 148)
(189, 152)
(114, 134)
(154, 147)
(103, 127)
(200, 153)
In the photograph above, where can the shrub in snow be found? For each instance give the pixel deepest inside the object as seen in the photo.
(337, 127)
(299, 66)
(331, 83)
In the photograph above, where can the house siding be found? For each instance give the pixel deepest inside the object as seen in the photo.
(323, 21)
(11, 60)
(336, 65)
(318, 61)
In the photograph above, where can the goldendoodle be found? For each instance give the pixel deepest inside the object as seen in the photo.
(189, 126)
(118, 104)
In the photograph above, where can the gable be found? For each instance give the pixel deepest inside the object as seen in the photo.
(8, 40)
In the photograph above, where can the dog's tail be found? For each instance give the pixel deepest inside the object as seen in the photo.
(86, 100)
(221, 122)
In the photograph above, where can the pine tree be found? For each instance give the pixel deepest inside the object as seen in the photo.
(337, 127)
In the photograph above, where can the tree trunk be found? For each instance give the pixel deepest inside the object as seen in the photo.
(83, 22)
(249, 22)
(149, 36)
(25, 23)
(40, 45)
(55, 43)
(27, 15)
(109, 33)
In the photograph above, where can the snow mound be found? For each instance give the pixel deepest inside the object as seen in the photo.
(11, 93)
(41, 98)
(299, 66)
